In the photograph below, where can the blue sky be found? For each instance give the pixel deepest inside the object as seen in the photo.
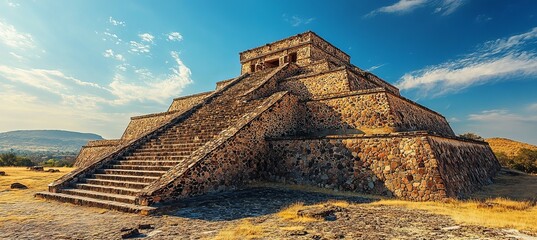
(89, 65)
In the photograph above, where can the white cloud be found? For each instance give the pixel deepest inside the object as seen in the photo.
(532, 107)
(504, 123)
(80, 94)
(116, 22)
(296, 21)
(375, 67)
(158, 90)
(13, 38)
(12, 4)
(111, 37)
(109, 53)
(146, 37)
(444, 7)
(16, 56)
(175, 36)
(454, 120)
(493, 61)
(501, 115)
(137, 47)
(403, 6)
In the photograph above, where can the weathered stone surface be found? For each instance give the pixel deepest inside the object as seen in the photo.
(409, 166)
(300, 112)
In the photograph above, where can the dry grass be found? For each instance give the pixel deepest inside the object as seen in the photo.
(509, 147)
(35, 181)
(498, 212)
(291, 213)
(243, 230)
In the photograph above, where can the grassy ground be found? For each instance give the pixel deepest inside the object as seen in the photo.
(35, 181)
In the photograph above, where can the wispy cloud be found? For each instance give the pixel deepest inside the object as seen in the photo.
(493, 61)
(17, 56)
(296, 21)
(532, 107)
(174, 36)
(137, 47)
(13, 38)
(482, 18)
(375, 67)
(146, 37)
(116, 22)
(13, 4)
(447, 7)
(443, 7)
(501, 115)
(403, 6)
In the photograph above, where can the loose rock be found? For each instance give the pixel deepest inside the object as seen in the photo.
(18, 186)
(129, 233)
(2, 173)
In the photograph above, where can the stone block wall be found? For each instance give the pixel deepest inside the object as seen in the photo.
(357, 112)
(401, 166)
(94, 150)
(140, 125)
(233, 158)
(307, 87)
(359, 82)
(464, 165)
(184, 103)
(412, 166)
(410, 116)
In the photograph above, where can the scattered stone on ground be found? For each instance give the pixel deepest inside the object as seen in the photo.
(326, 212)
(36, 168)
(2, 173)
(18, 186)
(53, 170)
(129, 233)
(204, 217)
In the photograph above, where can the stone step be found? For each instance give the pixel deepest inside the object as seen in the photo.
(107, 189)
(156, 149)
(161, 153)
(156, 158)
(140, 167)
(92, 202)
(128, 178)
(100, 195)
(131, 172)
(114, 183)
(147, 163)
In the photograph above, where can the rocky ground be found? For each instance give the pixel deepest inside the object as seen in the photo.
(204, 217)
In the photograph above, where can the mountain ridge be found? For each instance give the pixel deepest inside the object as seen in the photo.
(45, 140)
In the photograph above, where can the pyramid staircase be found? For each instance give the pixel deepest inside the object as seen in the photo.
(116, 184)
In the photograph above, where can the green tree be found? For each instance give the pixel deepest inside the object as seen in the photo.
(526, 160)
(471, 136)
(8, 159)
(24, 162)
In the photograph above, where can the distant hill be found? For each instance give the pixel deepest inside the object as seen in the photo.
(508, 146)
(45, 140)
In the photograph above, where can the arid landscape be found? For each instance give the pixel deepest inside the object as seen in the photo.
(276, 211)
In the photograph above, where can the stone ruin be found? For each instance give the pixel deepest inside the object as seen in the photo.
(299, 113)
